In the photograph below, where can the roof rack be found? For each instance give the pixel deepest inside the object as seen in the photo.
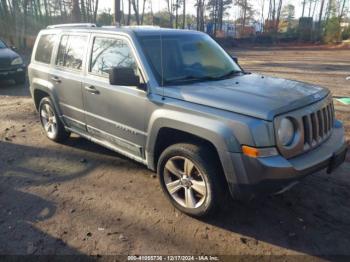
(141, 26)
(79, 25)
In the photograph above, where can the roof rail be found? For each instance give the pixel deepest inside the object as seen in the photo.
(79, 25)
(142, 26)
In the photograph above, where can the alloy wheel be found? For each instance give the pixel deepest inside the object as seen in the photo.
(49, 120)
(184, 182)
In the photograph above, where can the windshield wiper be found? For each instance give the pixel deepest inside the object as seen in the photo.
(231, 73)
(190, 78)
(202, 78)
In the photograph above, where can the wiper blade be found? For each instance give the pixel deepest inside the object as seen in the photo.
(231, 73)
(202, 78)
(190, 78)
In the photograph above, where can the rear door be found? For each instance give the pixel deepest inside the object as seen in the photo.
(40, 65)
(114, 114)
(67, 76)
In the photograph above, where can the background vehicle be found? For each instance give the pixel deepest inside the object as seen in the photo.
(175, 101)
(12, 65)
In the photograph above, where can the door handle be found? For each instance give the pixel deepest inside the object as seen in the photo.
(92, 90)
(56, 79)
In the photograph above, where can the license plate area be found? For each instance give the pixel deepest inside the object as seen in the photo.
(336, 160)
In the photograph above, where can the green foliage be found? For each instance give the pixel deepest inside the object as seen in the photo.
(288, 14)
(346, 33)
(305, 28)
(332, 32)
(105, 18)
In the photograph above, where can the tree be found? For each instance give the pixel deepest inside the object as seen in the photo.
(288, 14)
(217, 11)
(76, 18)
(246, 14)
(332, 27)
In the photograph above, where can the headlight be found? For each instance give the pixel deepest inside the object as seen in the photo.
(17, 61)
(286, 132)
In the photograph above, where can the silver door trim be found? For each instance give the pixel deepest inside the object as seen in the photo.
(109, 146)
(116, 124)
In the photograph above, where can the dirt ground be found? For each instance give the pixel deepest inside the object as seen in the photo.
(79, 198)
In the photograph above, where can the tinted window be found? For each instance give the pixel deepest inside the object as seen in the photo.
(187, 57)
(71, 52)
(45, 48)
(108, 53)
(2, 45)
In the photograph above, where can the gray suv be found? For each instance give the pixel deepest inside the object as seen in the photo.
(175, 101)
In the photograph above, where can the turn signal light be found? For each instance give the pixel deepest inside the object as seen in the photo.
(259, 152)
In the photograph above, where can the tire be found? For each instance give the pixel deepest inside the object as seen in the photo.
(53, 127)
(205, 169)
(20, 79)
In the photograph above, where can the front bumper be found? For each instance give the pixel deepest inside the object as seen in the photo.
(268, 175)
(12, 72)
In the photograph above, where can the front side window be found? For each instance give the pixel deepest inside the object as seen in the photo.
(2, 45)
(108, 53)
(187, 57)
(44, 49)
(71, 52)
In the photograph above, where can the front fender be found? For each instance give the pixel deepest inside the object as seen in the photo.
(212, 130)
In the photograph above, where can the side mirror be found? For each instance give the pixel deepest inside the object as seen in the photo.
(14, 48)
(123, 76)
(348, 78)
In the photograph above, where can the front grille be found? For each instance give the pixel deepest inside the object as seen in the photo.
(4, 63)
(318, 126)
(314, 125)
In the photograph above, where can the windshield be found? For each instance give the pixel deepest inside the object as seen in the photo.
(187, 57)
(2, 45)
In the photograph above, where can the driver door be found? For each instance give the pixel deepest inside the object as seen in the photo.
(114, 114)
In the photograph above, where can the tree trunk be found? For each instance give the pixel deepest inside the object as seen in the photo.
(143, 11)
(83, 10)
(176, 14)
(184, 14)
(278, 15)
(24, 27)
(136, 10)
(221, 14)
(129, 12)
(95, 11)
(304, 3)
(76, 12)
(170, 11)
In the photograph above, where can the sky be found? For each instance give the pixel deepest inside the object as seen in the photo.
(161, 5)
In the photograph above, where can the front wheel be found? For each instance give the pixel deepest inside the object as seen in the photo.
(50, 121)
(191, 178)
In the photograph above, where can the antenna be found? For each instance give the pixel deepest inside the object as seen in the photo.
(161, 62)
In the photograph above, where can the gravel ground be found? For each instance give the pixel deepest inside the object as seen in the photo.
(79, 198)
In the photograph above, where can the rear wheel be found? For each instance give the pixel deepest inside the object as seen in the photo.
(191, 179)
(50, 121)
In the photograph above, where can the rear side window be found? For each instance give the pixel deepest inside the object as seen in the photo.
(71, 52)
(108, 53)
(44, 49)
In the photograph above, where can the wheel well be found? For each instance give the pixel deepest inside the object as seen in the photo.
(38, 95)
(169, 136)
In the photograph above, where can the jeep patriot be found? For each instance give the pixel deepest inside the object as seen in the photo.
(175, 101)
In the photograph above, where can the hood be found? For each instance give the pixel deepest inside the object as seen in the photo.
(253, 95)
(7, 53)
